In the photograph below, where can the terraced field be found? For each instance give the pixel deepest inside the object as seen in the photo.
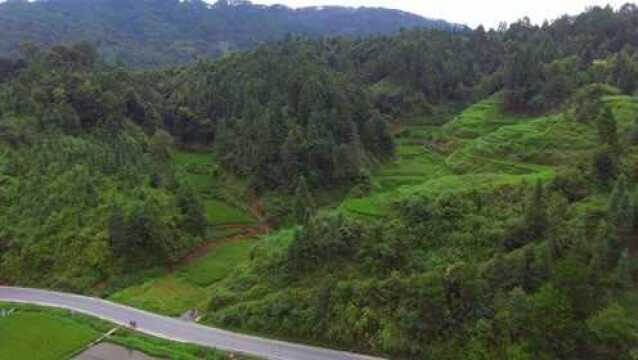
(481, 149)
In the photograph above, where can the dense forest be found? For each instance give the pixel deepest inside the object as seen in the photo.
(490, 208)
(169, 32)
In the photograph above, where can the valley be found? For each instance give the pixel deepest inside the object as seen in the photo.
(429, 192)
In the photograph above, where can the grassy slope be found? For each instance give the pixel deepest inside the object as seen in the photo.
(481, 149)
(190, 286)
(173, 293)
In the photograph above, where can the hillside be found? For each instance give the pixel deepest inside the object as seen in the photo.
(423, 195)
(168, 32)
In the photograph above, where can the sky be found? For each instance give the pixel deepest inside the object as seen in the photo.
(470, 12)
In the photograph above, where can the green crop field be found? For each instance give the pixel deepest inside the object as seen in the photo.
(42, 336)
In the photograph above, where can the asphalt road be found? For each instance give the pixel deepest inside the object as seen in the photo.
(174, 329)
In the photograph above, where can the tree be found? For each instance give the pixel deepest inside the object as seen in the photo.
(194, 215)
(551, 323)
(523, 70)
(531, 273)
(633, 135)
(621, 213)
(605, 168)
(617, 196)
(624, 271)
(607, 248)
(625, 72)
(303, 205)
(614, 331)
(536, 213)
(607, 128)
(587, 101)
(118, 232)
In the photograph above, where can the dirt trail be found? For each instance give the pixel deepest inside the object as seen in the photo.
(256, 209)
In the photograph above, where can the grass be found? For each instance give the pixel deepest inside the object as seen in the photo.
(200, 171)
(42, 336)
(40, 333)
(190, 286)
(168, 295)
(220, 261)
(481, 119)
(221, 213)
(166, 349)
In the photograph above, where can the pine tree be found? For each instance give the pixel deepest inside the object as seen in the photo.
(607, 127)
(617, 195)
(531, 274)
(605, 167)
(621, 213)
(624, 271)
(118, 232)
(633, 135)
(194, 218)
(292, 152)
(536, 214)
(606, 249)
(303, 204)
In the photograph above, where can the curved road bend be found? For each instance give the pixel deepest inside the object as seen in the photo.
(174, 329)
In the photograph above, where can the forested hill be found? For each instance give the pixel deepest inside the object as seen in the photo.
(166, 32)
(428, 195)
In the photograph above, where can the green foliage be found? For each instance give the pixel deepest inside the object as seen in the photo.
(468, 261)
(551, 323)
(285, 115)
(303, 205)
(587, 104)
(442, 249)
(89, 198)
(536, 213)
(615, 332)
(607, 127)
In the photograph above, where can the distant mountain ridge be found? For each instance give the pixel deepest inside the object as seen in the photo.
(150, 33)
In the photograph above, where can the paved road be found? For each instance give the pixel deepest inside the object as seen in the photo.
(174, 329)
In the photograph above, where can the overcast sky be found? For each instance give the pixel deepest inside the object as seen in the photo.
(470, 12)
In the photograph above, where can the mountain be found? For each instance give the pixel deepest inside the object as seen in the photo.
(153, 33)
(428, 195)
